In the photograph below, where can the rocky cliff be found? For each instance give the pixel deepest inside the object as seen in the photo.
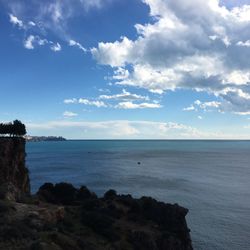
(14, 177)
(62, 217)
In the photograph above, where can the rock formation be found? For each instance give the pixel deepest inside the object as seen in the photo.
(62, 217)
(14, 177)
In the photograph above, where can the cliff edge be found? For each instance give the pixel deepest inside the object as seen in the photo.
(62, 217)
(14, 177)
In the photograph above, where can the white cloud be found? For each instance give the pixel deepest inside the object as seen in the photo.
(199, 117)
(69, 114)
(31, 23)
(104, 90)
(50, 15)
(121, 73)
(56, 11)
(198, 45)
(206, 106)
(212, 104)
(14, 20)
(124, 100)
(238, 77)
(85, 101)
(33, 41)
(56, 47)
(21, 24)
(144, 76)
(131, 105)
(77, 44)
(244, 44)
(98, 104)
(42, 42)
(125, 95)
(68, 101)
(190, 108)
(28, 43)
(106, 51)
(197, 102)
(242, 113)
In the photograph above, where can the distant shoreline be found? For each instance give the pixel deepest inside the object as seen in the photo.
(44, 138)
(156, 140)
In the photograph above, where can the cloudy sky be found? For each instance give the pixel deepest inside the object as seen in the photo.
(154, 69)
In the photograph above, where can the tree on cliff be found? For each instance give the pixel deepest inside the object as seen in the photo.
(16, 128)
(19, 128)
(5, 128)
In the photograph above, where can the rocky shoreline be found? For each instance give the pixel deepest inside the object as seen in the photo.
(61, 216)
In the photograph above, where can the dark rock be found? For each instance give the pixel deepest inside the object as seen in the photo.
(141, 240)
(44, 246)
(99, 223)
(91, 204)
(14, 177)
(6, 207)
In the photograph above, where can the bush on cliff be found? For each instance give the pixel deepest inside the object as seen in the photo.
(65, 193)
(62, 193)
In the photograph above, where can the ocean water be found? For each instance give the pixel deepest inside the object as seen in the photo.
(210, 178)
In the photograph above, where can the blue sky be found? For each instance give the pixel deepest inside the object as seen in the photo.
(134, 69)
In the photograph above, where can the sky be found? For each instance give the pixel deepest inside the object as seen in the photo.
(134, 69)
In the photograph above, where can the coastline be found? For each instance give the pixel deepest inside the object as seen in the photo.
(63, 217)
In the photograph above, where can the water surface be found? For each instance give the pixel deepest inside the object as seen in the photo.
(210, 178)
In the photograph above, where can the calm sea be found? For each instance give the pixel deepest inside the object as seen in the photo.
(211, 178)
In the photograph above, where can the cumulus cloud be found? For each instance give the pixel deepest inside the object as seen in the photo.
(206, 106)
(68, 101)
(28, 43)
(131, 105)
(14, 20)
(120, 73)
(56, 47)
(244, 44)
(98, 104)
(69, 114)
(190, 108)
(31, 23)
(115, 54)
(85, 101)
(198, 45)
(123, 100)
(33, 41)
(125, 95)
(77, 44)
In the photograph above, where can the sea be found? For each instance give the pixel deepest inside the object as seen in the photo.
(210, 178)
